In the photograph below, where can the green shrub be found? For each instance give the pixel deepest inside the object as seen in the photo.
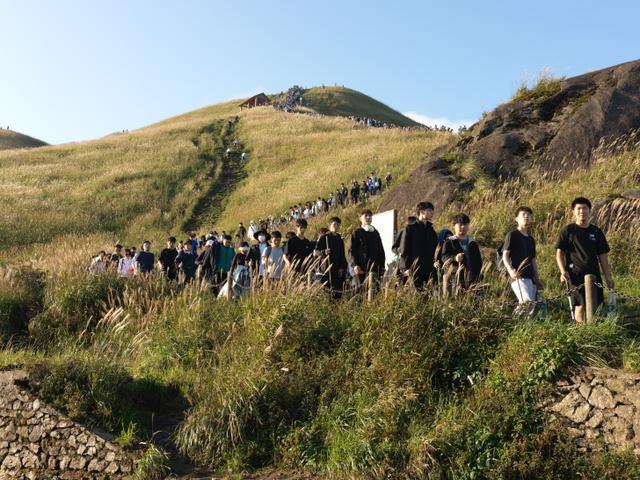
(97, 392)
(21, 298)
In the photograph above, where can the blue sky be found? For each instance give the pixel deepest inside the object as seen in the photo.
(75, 70)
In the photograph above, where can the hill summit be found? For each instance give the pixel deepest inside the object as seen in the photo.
(10, 140)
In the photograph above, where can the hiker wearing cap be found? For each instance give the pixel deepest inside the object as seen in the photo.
(206, 262)
(241, 279)
(367, 252)
(330, 248)
(298, 249)
(418, 246)
(257, 251)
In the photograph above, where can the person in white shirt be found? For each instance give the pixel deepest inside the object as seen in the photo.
(126, 264)
(273, 257)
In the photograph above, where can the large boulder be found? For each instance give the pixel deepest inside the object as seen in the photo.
(556, 128)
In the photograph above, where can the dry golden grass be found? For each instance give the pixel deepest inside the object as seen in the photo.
(143, 184)
(10, 140)
(295, 158)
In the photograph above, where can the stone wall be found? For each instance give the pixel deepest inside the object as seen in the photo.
(36, 441)
(601, 408)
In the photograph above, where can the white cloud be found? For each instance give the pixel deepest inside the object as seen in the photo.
(432, 121)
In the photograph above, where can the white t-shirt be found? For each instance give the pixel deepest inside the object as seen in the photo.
(125, 266)
(276, 263)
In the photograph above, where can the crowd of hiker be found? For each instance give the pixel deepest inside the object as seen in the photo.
(356, 193)
(292, 99)
(449, 261)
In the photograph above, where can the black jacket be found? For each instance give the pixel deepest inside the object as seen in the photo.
(335, 258)
(207, 262)
(417, 248)
(367, 251)
(472, 261)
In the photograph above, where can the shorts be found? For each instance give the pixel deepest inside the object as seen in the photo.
(578, 296)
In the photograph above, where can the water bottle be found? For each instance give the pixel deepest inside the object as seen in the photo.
(542, 304)
(611, 304)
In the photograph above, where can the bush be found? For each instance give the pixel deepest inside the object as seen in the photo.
(21, 297)
(99, 393)
(74, 305)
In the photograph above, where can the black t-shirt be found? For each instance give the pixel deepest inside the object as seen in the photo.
(297, 250)
(335, 244)
(582, 247)
(522, 250)
(168, 259)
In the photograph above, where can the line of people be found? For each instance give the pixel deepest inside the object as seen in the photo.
(359, 192)
(422, 257)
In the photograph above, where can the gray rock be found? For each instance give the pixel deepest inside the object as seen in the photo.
(601, 398)
(111, 468)
(64, 462)
(573, 406)
(11, 462)
(595, 420)
(35, 434)
(78, 463)
(625, 411)
(585, 390)
(618, 433)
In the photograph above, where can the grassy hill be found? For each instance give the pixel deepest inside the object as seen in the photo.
(11, 140)
(408, 386)
(346, 102)
(148, 182)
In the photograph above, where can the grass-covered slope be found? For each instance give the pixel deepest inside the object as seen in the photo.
(407, 386)
(346, 102)
(171, 176)
(141, 182)
(297, 157)
(10, 140)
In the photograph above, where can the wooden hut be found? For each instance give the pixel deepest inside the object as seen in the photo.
(255, 101)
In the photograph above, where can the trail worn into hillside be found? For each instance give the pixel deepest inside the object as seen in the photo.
(225, 172)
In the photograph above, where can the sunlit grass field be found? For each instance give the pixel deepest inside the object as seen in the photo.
(144, 183)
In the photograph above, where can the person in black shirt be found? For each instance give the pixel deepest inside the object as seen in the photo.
(461, 254)
(114, 258)
(581, 250)
(330, 247)
(167, 260)
(519, 258)
(186, 262)
(207, 263)
(241, 232)
(418, 246)
(367, 252)
(145, 259)
(298, 250)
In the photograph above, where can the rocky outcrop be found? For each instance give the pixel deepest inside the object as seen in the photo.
(601, 409)
(563, 128)
(430, 181)
(556, 129)
(36, 441)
